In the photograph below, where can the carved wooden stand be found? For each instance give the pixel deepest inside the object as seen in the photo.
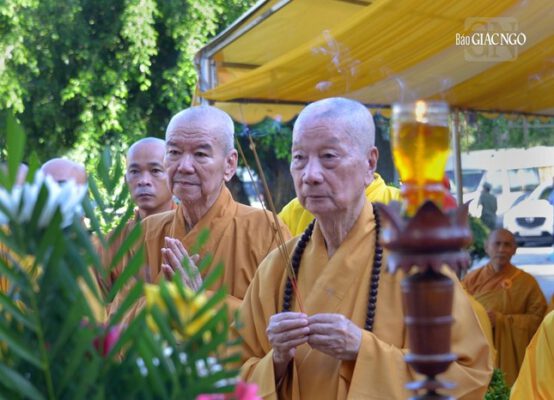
(425, 243)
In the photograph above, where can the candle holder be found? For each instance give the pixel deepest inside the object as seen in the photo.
(421, 239)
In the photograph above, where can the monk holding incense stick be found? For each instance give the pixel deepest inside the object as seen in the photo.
(346, 337)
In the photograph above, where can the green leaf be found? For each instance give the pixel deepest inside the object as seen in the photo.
(80, 349)
(7, 305)
(204, 262)
(19, 346)
(15, 145)
(131, 298)
(70, 327)
(163, 325)
(154, 376)
(98, 199)
(129, 272)
(172, 312)
(88, 374)
(91, 215)
(215, 302)
(130, 335)
(128, 243)
(34, 165)
(201, 240)
(18, 383)
(212, 277)
(15, 274)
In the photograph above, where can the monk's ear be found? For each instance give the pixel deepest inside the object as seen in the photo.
(231, 161)
(371, 159)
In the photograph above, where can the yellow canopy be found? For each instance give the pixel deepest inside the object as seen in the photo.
(286, 53)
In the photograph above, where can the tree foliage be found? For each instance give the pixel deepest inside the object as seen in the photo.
(485, 132)
(83, 73)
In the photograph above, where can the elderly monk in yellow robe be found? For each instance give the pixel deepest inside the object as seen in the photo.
(297, 218)
(146, 179)
(512, 298)
(200, 157)
(536, 375)
(341, 334)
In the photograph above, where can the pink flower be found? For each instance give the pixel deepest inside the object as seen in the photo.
(243, 391)
(217, 396)
(246, 391)
(105, 342)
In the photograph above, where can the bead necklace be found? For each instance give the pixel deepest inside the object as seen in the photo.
(374, 279)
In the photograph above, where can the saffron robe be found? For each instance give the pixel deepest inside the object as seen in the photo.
(485, 323)
(341, 285)
(297, 218)
(536, 376)
(240, 237)
(519, 307)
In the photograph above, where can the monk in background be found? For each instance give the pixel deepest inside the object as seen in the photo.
(63, 170)
(512, 298)
(146, 179)
(341, 334)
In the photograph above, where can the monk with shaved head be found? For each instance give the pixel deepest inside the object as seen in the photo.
(513, 299)
(146, 179)
(200, 158)
(63, 170)
(339, 332)
(294, 214)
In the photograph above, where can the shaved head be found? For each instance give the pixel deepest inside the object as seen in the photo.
(63, 170)
(353, 117)
(155, 145)
(215, 121)
(504, 233)
(500, 247)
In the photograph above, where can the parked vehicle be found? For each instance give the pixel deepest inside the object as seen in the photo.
(512, 173)
(532, 220)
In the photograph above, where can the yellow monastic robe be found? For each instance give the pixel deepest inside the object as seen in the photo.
(536, 376)
(551, 305)
(341, 285)
(297, 218)
(485, 323)
(240, 237)
(519, 307)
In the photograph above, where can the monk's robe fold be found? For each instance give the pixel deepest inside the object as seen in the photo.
(341, 285)
(536, 375)
(240, 237)
(519, 307)
(297, 218)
